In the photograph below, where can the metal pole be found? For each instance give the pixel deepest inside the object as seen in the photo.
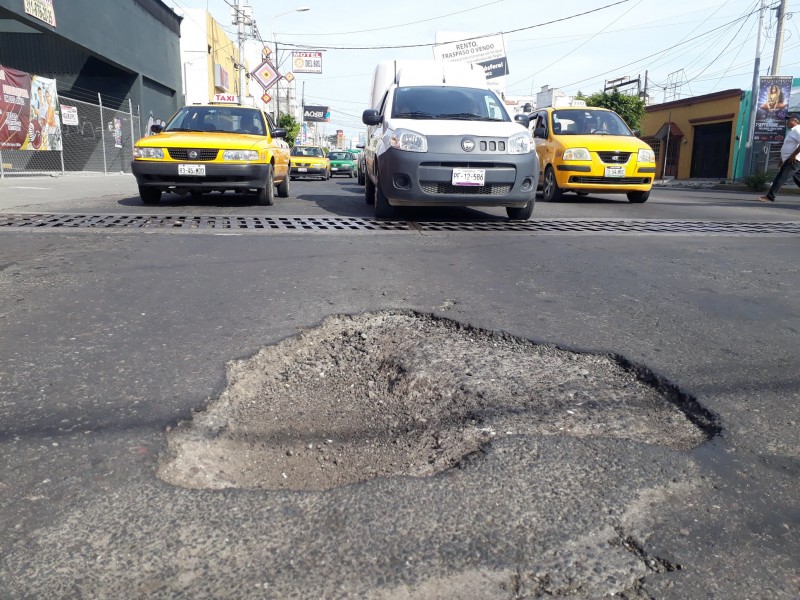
(666, 146)
(130, 113)
(2, 171)
(277, 87)
(102, 132)
(780, 16)
(240, 24)
(751, 119)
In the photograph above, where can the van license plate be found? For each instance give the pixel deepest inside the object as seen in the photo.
(469, 176)
(195, 170)
(615, 171)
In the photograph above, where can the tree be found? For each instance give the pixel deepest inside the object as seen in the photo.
(292, 127)
(630, 108)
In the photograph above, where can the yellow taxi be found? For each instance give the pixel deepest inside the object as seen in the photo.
(310, 161)
(590, 150)
(213, 147)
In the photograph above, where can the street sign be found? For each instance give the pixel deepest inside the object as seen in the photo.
(266, 74)
(225, 98)
(266, 98)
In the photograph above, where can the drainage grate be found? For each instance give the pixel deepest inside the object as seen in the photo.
(338, 224)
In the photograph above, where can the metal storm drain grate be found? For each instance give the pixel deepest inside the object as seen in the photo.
(340, 224)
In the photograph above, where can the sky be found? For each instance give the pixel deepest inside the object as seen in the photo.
(685, 47)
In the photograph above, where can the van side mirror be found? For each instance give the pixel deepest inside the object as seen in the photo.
(540, 132)
(371, 117)
(523, 119)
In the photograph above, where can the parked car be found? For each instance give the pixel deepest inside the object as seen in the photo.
(342, 163)
(213, 147)
(361, 166)
(590, 150)
(438, 136)
(310, 161)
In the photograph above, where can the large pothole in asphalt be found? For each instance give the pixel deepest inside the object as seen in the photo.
(400, 393)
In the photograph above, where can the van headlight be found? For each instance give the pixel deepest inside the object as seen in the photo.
(520, 143)
(148, 152)
(410, 141)
(646, 155)
(240, 155)
(577, 154)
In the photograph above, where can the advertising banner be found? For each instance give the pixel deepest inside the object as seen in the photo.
(306, 62)
(318, 114)
(488, 51)
(15, 108)
(42, 10)
(44, 131)
(773, 104)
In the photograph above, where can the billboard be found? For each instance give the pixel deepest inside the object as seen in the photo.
(29, 116)
(489, 51)
(318, 114)
(773, 104)
(307, 61)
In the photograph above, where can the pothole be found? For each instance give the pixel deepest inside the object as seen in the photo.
(401, 393)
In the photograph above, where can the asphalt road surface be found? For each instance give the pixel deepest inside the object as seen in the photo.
(115, 337)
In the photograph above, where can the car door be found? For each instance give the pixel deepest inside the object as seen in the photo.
(374, 135)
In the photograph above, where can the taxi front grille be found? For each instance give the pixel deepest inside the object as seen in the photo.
(491, 189)
(183, 153)
(614, 158)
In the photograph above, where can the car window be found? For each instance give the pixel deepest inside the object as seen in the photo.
(589, 121)
(224, 119)
(450, 102)
(339, 156)
(306, 151)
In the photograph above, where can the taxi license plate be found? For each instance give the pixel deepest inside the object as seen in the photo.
(615, 171)
(194, 170)
(334, 168)
(302, 169)
(469, 177)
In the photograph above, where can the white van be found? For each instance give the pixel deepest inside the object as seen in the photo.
(438, 136)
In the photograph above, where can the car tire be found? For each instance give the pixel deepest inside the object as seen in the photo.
(369, 192)
(149, 195)
(266, 194)
(638, 197)
(522, 213)
(383, 210)
(361, 178)
(283, 188)
(550, 190)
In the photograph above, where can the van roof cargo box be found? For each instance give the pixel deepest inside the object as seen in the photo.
(424, 72)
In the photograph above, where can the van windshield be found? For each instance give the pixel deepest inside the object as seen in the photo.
(585, 121)
(440, 102)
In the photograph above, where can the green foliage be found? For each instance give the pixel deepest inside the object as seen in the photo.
(292, 127)
(756, 182)
(630, 108)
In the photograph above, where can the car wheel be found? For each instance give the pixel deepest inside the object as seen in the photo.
(283, 188)
(522, 213)
(360, 178)
(638, 197)
(383, 210)
(369, 191)
(149, 195)
(266, 194)
(550, 190)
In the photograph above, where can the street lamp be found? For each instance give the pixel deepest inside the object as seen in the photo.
(278, 61)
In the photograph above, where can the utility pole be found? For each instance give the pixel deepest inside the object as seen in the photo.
(780, 16)
(751, 120)
(240, 40)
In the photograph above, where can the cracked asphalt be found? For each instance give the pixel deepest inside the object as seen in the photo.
(114, 341)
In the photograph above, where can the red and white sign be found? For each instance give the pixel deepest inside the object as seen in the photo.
(307, 62)
(225, 98)
(266, 74)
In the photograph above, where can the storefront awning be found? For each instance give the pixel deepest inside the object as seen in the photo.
(668, 128)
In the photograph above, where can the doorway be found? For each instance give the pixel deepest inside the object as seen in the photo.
(711, 150)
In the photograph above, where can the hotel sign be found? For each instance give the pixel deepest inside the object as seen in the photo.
(42, 10)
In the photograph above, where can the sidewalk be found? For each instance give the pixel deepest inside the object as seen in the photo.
(789, 189)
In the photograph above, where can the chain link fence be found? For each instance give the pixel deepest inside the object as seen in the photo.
(97, 140)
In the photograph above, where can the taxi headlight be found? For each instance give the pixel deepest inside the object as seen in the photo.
(646, 155)
(148, 152)
(240, 155)
(520, 143)
(410, 141)
(577, 154)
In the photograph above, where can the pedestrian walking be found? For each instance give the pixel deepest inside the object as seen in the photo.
(791, 164)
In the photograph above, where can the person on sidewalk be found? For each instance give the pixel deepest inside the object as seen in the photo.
(791, 164)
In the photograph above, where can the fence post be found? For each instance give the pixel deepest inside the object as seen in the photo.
(130, 112)
(102, 133)
(2, 171)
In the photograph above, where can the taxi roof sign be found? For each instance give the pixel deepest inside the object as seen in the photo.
(226, 98)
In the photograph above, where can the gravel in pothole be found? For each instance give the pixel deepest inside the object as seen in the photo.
(401, 393)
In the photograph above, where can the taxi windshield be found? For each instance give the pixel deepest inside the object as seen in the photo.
(340, 156)
(223, 119)
(307, 151)
(587, 121)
